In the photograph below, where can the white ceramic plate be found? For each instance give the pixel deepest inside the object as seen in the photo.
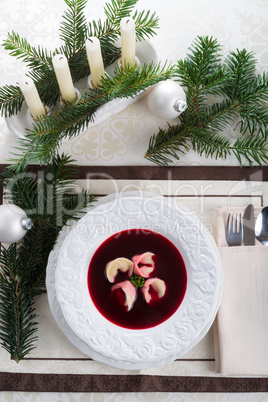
(136, 349)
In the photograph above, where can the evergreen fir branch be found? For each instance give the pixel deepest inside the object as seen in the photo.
(11, 100)
(78, 64)
(240, 67)
(200, 133)
(21, 49)
(128, 84)
(43, 142)
(47, 85)
(202, 70)
(74, 31)
(251, 149)
(215, 117)
(253, 111)
(48, 132)
(197, 92)
(50, 200)
(255, 91)
(23, 188)
(202, 73)
(20, 189)
(32, 254)
(208, 143)
(178, 141)
(167, 145)
(146, 24)
(11, 97)
(108, 32)
(73, 28)
(17, 318)
(243, 94)
(203, 138)
(254, 120)
(41, 71)
(118, 9)
(101, 29)
(111, 53)
(107, 37)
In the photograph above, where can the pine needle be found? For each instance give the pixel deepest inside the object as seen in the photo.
(74, 30)
(50, 200)
(239, 93)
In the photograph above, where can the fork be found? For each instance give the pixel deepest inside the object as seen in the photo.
(234, 230)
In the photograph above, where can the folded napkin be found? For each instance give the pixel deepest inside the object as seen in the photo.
(241, 325)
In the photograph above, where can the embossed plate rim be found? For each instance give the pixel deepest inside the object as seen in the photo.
(162, 354)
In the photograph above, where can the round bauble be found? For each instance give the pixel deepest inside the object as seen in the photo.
(14, 223)
(167, 100)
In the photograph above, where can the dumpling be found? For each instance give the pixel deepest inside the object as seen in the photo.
(148, 267)
(157, 284)
(119, 264)
(130, 293)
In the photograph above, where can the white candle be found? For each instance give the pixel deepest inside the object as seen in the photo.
(95, 61)
(31, 96)
(128, 41)
(64, 78)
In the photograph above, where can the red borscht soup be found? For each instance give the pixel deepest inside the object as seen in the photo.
(168, 266)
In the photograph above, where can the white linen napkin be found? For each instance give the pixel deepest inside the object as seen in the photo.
(241, 325)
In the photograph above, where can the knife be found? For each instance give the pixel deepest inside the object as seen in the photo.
(248, 226)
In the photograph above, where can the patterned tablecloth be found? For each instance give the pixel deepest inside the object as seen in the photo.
(121, 141)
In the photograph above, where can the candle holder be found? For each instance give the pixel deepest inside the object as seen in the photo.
(31, 119)
(21, 121)
(90, 81)
(77, 93)
(120, 62)
(145, 53)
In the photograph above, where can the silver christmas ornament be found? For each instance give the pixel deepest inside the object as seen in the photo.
(180, 106)
(167, 100)
(14, 223)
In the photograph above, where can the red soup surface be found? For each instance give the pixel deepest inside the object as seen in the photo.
(169, 266)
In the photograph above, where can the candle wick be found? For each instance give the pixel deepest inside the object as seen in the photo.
(127, 21)
(26, 83)
(90, 40)
(61, 58)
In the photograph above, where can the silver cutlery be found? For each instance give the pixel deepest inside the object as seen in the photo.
(249, 226)
(261, 227)
(234, 231)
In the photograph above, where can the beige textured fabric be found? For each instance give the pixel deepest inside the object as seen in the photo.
(241, 325)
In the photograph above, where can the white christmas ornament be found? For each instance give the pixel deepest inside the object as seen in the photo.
(167, 100)
(14, 223)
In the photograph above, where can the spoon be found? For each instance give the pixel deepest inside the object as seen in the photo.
(261, 226)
